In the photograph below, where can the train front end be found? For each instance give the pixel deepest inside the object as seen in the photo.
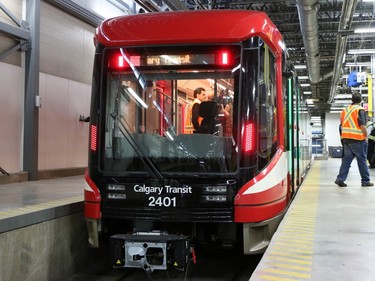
(155, 186)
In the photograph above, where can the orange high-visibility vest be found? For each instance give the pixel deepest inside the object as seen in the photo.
(349, 121)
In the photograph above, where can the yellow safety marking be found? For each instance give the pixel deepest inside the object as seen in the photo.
(303, 246)
(305, 227)
(298, 238)
(286, 272)
(286, 265)
(296, 241)
(276, 278)
(284, 253)
(290, 257)
(39, 207)
(301, 251)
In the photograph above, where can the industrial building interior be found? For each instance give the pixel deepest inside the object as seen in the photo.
(326, 40)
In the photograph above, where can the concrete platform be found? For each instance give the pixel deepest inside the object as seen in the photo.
(42, 230)
(328, 232)
(27, 203)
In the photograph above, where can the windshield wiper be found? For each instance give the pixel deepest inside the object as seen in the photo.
(145, 160)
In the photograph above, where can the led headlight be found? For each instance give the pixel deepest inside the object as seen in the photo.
(116, 196)
(219, 189)
(214, 198)
(117, 187)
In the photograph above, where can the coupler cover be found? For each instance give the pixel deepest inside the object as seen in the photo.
(150, 250)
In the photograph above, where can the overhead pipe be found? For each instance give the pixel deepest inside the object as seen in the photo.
(346, 19)
(307, 12)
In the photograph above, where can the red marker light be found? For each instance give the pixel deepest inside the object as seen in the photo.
(249, 137)
(120, 62)
(94, 134)
(224, 58)
(117, 61)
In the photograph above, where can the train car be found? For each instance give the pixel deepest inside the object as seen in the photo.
(155, 185)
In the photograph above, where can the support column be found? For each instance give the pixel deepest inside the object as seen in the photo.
(371, 88)
(31, 111)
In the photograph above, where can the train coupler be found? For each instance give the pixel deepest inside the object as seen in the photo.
(150, 250)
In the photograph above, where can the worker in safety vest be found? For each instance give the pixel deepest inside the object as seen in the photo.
(354, 139)
(199, 96)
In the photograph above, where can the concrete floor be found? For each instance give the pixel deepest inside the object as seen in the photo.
(328, 232)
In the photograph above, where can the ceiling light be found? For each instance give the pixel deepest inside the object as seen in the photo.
(361, 51)
(305, 85)
(364, 30)
(343, 96)
(300, 66)
(303, 77)
(307, 93)
(358, 64)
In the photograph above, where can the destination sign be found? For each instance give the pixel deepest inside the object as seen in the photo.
(183, 59)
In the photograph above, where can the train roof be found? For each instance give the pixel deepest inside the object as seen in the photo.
(184, 27)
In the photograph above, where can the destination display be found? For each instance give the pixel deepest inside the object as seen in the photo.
(121, 60)
(183, 59)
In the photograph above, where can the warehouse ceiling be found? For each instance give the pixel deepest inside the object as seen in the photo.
(318, 35)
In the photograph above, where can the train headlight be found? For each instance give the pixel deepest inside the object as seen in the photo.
(120, 196)
(115, 187)
(219, 189)
(214, 198)
(214, 194)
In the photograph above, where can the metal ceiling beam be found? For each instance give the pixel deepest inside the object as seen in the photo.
(77, 11)
(175, 5)
(345, 24)
(14, 32)
(20, 32)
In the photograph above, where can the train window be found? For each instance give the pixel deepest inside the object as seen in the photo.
(267, 130)
(146, 113)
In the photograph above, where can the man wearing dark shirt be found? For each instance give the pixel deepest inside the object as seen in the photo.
(353, 136)
(199, 96)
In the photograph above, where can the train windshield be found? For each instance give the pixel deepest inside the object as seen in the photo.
(149, 107)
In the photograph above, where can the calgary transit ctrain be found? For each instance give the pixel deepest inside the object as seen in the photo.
(157, 187)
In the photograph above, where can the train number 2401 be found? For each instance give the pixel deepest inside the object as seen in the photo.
(162, 201)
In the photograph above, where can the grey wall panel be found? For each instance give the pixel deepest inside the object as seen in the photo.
(7, 43)
(66, 45)
(11, 116)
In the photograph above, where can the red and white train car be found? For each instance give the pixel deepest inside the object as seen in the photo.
(155, 187)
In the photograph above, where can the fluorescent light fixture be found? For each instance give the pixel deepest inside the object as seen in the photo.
(305, 85)
(307, 93)
(300, 66)
(361, 51)
(309, 101)
(303, 77)
(358, 64)
(364, 30)
(343, 96)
